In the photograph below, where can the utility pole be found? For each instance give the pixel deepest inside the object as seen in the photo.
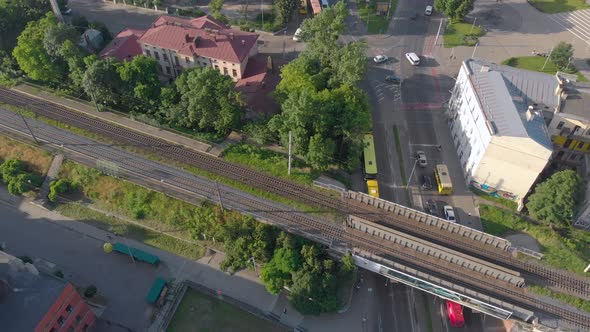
(412, 173)
(474, 49)
(290, 143)
(29, 128)
(284, 42)
(474, 20)
(219, 195)
(548, 58)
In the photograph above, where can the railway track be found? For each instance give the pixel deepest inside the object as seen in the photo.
(560, 279)
(160, 174)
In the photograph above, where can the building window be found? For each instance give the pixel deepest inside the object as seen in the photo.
(165, 56)
(234, 72)
(160, 69)
(560, 125)
(580, 145)
(176, 60)
(157, 55)
(69, 308)
(61, 320)
(148, 53)
(233, 64)
(224, 70)
(168, 70)
(216, 67)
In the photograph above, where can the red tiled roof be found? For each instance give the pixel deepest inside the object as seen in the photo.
(124, 46)
(203, 36)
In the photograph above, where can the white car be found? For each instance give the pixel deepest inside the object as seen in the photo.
(380, 58)
(413, 58)
(297, 35)
(428, 10)
(449, 213)
(421, 156)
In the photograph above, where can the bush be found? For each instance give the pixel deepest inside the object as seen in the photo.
(90, 291)
(512, 62)
(259, 132)
(57, 187)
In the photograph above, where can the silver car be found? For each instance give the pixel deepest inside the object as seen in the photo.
(421, 156)
(449, 213)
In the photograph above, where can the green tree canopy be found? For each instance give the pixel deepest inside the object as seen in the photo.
(102, 82)
(14, 16)
(31, 55)
(141, 83)
(455, 9)
(555, 199)
(561, 55)
(208, 101)
(277, 273)
(55, 37)
(285, 10)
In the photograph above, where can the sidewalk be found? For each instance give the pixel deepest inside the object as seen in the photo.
(118, 119)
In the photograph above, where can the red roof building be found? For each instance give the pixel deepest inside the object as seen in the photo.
(124, 46)
(179, 43)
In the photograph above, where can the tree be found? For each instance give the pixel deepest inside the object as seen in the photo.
(562, 55)
(209, 101)
(285, 9)
(349, 64)
(102, 82)
(11, 168)
(215, 7)
(277, 273)
(9, 70)
(322, 31)
(32, 57)
(57, 187)
(320, 151)
(14, 16)
(555, 199)
(141, 83)
(55, 37)
(454, 9)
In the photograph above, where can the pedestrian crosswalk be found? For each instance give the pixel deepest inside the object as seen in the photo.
(576, 22)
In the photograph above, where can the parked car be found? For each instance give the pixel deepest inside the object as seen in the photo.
(431, 207)
(449, 213)
(380, 58)
(421, 156)
(392, 79)
(428, 10)
(297, 35)
(455, 314)
(67, 11)
(426, 182)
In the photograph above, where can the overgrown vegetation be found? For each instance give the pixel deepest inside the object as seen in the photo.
(454, 9)
(567, 248)
(376, 22)
(19, 177)
(459, 33)
(36, 159)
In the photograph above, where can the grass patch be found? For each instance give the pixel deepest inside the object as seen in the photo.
(502, 201)
(558, 6)
(568, 299)
(462, 34)
(200, 312)
(271, 162)
(398, 148)
(36, 159)
(535, 63)
(129, 230)
(155, 157)
(567, 249)
(376, 23)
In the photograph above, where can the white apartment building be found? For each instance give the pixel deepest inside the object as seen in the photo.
(497, 125)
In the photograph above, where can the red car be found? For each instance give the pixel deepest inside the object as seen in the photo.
(455, 312)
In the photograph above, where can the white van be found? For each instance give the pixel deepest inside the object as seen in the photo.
(413, 58)
(428, 10)
(297, 35)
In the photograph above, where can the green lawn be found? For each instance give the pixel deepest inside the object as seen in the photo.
(377, 24)
(535, 63)
(558, 6)
(568, 249)
(270, 162)
(571, 300)
(460, 33)
(204, 313)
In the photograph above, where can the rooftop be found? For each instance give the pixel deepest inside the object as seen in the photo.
(124, 46)
(25, 297)
(577, 100)
(506, 93)
(202, 36)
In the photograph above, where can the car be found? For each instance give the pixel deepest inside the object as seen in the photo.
(297, 35)
(449, 213)
(413, 58)
(392, 79)
(380, 58)
(455, 314)
(431, 207)
(426, 182)
(428, 10)
(421, 156)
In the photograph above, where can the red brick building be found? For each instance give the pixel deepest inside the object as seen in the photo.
(32, 301)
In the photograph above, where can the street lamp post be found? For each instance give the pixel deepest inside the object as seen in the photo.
(412, 173)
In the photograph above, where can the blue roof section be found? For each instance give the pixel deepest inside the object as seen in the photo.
(505, 103)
